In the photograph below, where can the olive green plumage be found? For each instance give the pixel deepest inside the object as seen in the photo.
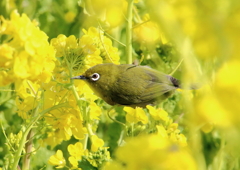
(128, 84)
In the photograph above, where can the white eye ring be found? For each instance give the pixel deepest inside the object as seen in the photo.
(95, 76)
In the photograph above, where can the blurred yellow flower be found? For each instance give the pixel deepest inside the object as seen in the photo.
(5, 78)
(218, 105)
(57, 160)
(148, 32)
(6, 56)
(69, 16)
(136, 115)
(114, 15)
(152, 152)
(162, 131)
(110, 12)
(227, 88)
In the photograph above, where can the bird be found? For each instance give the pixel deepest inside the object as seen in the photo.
(129, 85)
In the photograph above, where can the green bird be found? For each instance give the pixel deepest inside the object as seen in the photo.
(129, 85)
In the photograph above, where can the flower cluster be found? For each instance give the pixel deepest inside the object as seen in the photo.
(91, 49)
(158, 121)
(77, 55)
(26, 53)
(27, 60)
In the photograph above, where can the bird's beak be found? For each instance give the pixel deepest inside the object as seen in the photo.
(79, 77)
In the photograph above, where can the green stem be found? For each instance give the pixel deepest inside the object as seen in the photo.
(29, 143)
(89, 129)
(26, 131)
(28, 149)
(176, 68)
(129, 31)
(108, 113)
(109, 36)
(84, 115)
(73, 88)
(85, 141)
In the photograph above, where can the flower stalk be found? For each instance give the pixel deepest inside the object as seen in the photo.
(26, 131)
(129, 32)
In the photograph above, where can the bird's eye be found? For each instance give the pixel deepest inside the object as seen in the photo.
(95, 76)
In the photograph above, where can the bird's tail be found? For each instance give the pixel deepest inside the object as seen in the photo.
(177, 83)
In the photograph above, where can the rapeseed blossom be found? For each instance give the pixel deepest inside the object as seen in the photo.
(57, 159)
(28, 54)
(27, 60)
(152, 152)
(76, 151)
(136, 115)
(158, 114)
(77, 55)
(96, 143)
(214, 108)
(148, 32)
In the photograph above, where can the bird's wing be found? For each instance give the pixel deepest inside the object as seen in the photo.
(141, 86)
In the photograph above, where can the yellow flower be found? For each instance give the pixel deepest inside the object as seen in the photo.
(91, 49)
(152, 152)
(110, 12)
(53, 139)
(33, 57)
(64, 45)
(114, 14)
(95, 111)
(96, 143)
(136, 115)
(162, 131)
(74, 161)
(85, 90)
(148, 32)
(65, 124)
(69, 16)
(94, 42)
(57, 159)
(158, 114)
(211, 111)
(6, 55)
(76, 151)
(227, 90)
(5, 78)
(28, 97)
